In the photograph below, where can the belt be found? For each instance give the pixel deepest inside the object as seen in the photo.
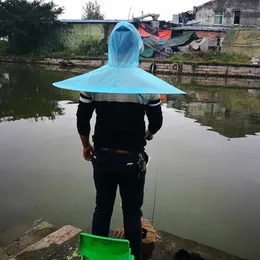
(112, 150)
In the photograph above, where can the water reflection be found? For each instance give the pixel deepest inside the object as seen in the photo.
(27, 93)
(208, 192)
(230, 112)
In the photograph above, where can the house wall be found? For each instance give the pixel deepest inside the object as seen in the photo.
(73, 35)
(205, 13)
(249, 16)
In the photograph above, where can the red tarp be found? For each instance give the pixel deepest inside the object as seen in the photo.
(143, 33)
(163, 34)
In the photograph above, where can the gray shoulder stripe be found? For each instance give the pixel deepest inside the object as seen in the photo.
(124, 98)
(84, 96)
(85, 100)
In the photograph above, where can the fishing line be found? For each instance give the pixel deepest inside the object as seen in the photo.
(154, 199)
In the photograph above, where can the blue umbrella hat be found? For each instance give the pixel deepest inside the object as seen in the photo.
(121, 74)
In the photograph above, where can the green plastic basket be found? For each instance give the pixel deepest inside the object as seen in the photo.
(102, 248)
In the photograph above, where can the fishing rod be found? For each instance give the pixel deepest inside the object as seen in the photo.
(154, 198)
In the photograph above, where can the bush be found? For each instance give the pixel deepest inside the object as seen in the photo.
(92, 47)
(3, 47)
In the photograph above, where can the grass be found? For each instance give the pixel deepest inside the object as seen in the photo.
(56, 55)
(211, 57)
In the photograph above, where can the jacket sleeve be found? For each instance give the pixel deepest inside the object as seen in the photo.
(84, 113)
(154, 114)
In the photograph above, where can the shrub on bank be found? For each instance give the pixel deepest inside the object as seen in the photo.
(214, 57)
(92, 48)
(3, 46)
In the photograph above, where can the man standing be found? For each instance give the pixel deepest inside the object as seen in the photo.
(118, 155)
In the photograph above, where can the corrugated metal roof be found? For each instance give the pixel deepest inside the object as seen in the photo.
(202, 28)
(91, 21)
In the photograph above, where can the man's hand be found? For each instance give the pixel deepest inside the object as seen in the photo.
(87, 152)
(149, 135)
(87, 147)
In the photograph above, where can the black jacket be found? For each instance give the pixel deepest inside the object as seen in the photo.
(120, 119)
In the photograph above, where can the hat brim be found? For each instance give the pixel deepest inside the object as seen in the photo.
(125, 80)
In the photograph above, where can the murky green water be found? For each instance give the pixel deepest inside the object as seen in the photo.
(206, 155)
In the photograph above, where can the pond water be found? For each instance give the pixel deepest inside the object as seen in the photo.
(206, 157)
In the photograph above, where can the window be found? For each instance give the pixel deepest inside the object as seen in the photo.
(237, 17)
(218, 17)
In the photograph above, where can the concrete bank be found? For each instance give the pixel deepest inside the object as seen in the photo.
(44, 242)
(183, 80)
(160, 67)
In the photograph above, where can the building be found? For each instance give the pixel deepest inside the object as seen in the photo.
(76, 31)
(73, 32)
(229, 13)
(183, 18)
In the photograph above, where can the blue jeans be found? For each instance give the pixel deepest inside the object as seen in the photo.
(112, 170)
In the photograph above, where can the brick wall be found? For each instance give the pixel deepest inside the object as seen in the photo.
(175, 68)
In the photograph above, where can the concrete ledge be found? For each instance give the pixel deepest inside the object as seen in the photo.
(165, 247)
(65, 249)
(167, 244)
(161, 67)
(30, 237)
(63, 244)
(59, 237)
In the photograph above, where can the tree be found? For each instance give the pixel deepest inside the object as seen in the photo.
(92, 11)
(27, 24)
